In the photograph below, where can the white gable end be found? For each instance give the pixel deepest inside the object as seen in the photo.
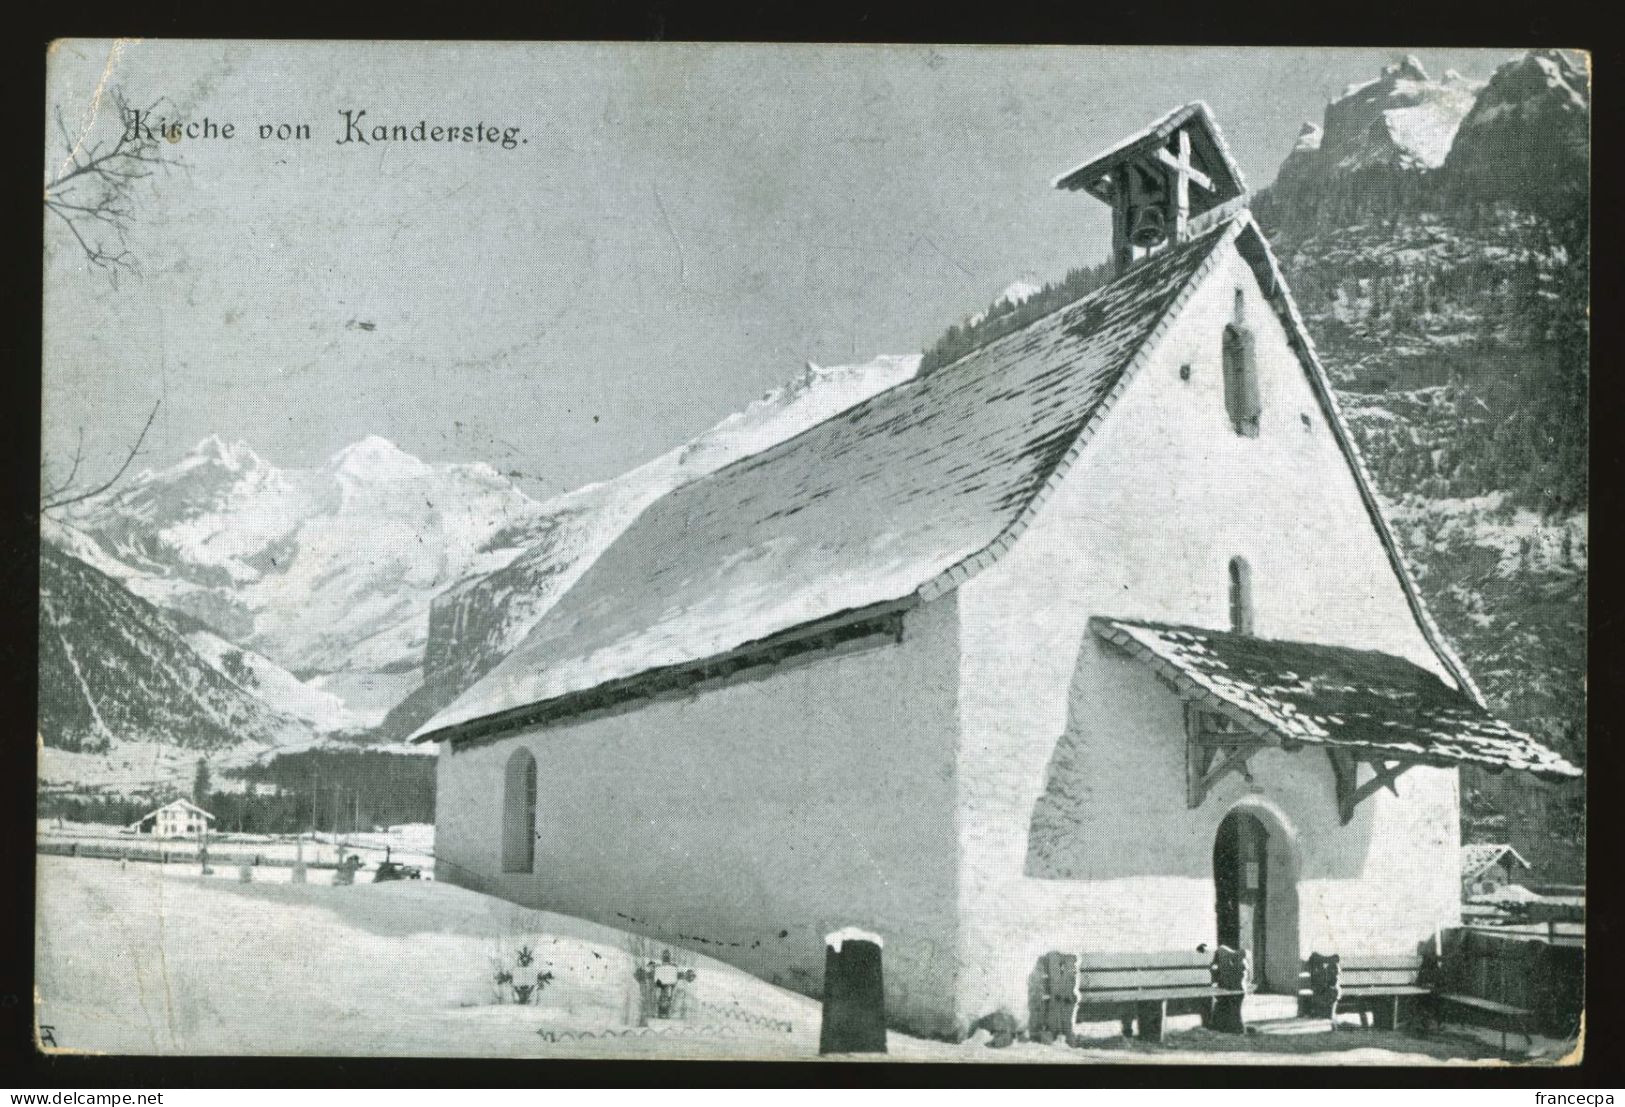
(1060, 731)
(1181, 493)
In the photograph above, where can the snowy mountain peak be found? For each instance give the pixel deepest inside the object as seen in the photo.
(213, 450)
(327, 571)
(1527, 137)
(1410, 69)
(376, 458)
(1536, 77)
(1019, 290)
(1402, 121)
(1014, 293)
(811, 397)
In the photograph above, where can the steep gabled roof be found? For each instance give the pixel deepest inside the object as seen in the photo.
(867, 507)
(1478, 856)
(1311, 694)
(897, 500)
(1208, 146)
(182, 803)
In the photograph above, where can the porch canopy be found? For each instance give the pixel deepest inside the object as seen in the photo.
(1244, 693)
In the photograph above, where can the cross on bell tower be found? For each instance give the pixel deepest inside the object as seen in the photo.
(1159, 181)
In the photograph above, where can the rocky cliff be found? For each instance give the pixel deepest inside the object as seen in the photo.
(1447, 289)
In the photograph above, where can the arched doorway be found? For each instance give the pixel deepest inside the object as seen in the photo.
(1256, 897)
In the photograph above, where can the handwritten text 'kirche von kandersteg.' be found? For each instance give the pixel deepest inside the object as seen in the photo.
(352, 128)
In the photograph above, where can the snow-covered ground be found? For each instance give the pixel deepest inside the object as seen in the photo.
(409, 844)
(159, 959)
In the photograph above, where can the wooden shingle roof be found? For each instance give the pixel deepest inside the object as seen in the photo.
(1311, 694)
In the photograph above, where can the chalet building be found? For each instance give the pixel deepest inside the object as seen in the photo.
(178, 819)
(1486, 867)
(1095, 639)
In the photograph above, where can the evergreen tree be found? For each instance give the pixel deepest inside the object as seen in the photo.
(200, 783)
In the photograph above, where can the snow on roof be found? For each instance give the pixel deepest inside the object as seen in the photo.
(1087, 175)
(1333, 696)
(864, 508)
(852, 934)
(1478, 856)
(184, 804)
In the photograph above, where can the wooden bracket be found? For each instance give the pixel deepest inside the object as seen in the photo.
(1350, 791)
(1213, 751)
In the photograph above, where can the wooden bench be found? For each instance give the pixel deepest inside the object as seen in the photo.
(1144, 987)
(1379, 986)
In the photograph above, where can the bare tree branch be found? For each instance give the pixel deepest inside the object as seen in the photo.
(67, 483)
(64, 497)
(92, 190)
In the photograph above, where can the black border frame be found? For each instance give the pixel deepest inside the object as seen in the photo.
(1274, 24)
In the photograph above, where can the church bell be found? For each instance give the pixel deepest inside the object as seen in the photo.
(1147, 226)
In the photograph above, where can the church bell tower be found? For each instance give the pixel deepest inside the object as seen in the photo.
(1160, 182)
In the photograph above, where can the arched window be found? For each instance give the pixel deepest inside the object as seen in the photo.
(1241, 380)
(519, 814)
(1241, 596)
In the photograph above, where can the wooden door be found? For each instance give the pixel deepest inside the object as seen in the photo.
(1240, 884)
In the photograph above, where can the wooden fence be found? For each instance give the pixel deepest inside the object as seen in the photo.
(1521, 970)
(1554, 931)
(170, 855)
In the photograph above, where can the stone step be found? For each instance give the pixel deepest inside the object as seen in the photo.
(1261, 1007)
(1293, 1025)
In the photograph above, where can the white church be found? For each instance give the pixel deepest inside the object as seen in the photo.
(1095, 639)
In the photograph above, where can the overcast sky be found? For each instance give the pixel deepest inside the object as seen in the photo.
(683, 229)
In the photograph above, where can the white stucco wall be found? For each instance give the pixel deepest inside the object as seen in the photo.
(1144, 525)
(759, 816)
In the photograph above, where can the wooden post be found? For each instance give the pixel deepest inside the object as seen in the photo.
(1152, 1015)
(1229, 970)
(854, 1017)
(1122, 248)
(1182, 188)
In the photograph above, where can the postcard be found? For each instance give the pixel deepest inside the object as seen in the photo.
(737, 551)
